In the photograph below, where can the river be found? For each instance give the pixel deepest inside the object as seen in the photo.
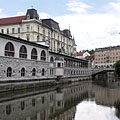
(76, 101)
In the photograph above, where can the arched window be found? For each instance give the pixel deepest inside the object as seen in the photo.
(33, 102)
(23, 52)
(43, 72)
(38, 37)
(9, 49)
(22, 105)
(9, 72)
(8, 109)
(23, 71)
(51, 59)
(43, 55)
(33, 72)
(28, 16)
(34, 54)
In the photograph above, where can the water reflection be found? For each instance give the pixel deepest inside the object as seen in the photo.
(69, 102)
(89, 110)
(57, 103)
(108, 97)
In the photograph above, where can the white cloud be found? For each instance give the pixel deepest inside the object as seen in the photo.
(20, 13)
(44, 15)
(116, 6)
(77, 6)
(93, 30)
(2, 15)
(113, 7)
(1, 10)
(90, 111)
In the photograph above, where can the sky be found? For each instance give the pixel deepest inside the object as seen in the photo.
(93, 23)
(88, 110)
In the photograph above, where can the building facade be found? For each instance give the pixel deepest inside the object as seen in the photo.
(41, 31)
(106, 57)
(25, 60)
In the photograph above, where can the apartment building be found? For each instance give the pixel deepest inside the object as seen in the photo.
(107, 56)
(41, 31)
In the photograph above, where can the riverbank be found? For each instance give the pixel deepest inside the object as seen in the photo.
(13, 85)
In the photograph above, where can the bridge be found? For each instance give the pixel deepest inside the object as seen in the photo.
(101, 70)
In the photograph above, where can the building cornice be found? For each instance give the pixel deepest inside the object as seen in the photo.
(22, 41)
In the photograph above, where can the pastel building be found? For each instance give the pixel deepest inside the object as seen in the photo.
(107, 56)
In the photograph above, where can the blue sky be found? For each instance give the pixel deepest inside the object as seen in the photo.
(94, 23)
(53, 7)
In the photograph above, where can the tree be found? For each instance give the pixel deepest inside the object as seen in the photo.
(89, 51)
(117, 69)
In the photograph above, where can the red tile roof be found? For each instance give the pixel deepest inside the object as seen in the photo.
(80, 53)
(11, 20)
(91, 57)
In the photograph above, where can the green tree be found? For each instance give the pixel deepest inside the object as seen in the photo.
(117, 69)
(117, 106)
(89, 51)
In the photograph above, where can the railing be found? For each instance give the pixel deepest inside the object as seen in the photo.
(97, 70)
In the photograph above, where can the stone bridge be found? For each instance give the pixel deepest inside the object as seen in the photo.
(101, 70)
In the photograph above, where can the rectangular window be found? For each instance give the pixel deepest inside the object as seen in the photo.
(2, 31)
(18, 30)
(7, 31)
(43, 99)
(43, 37)
(38, 28)
(43, 31)
(59, 65)
(43, 34)
(61, 38)
(13, 30)
(28, 29)
(58, 103)
(49, 35)
(28, 37)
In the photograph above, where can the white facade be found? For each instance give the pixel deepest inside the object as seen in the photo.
(83, 55)
(35, 30)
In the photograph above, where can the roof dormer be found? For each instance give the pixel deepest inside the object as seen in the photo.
(32, 14)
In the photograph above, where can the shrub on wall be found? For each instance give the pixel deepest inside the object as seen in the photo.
(117, 69)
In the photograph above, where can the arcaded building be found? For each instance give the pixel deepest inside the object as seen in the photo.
(41, 31)
(107, 56)
(26, 60)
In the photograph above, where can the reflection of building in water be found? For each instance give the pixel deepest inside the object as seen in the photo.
(50, 105)
(106, 96)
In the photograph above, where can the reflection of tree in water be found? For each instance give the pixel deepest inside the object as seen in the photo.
(117, 106)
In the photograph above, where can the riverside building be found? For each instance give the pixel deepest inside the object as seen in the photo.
(107, 56)
(25, 60)
(41, 31)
